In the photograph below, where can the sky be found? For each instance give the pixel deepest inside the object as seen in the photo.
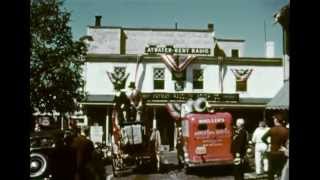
(234, 19)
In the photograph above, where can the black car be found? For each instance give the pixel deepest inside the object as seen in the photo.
(42, 146)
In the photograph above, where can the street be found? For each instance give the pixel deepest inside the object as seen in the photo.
(174, 173)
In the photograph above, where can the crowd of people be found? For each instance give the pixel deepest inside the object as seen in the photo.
(271, 148)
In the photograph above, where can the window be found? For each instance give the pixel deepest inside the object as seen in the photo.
(119, 71)
(220, 126)
(241, 85)
(197, 79)
(158, 78)
(202, 127)
(234, 53)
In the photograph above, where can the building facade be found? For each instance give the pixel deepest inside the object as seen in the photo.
(172, 65)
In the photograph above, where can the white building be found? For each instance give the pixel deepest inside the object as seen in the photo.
(118, 49)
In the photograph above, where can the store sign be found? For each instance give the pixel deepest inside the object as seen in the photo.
(156, 97)
(96, 133)
(172, 50)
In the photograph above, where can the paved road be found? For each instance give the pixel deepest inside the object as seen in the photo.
(175, 173)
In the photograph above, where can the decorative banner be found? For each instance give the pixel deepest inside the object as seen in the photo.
(118, 79)
(174, 109)
(242, 74)
(96, 133)
(175, 97)
(172, 50)
(176, 64)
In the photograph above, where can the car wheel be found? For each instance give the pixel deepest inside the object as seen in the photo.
(38, 165)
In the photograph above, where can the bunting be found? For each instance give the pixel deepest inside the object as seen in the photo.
(241, 74)
(176, 64)
(118, 79)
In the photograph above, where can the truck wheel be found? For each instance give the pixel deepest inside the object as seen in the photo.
(187, 169)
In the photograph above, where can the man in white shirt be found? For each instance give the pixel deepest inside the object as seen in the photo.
(261, 163)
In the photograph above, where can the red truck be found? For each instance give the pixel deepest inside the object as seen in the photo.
(207, 139)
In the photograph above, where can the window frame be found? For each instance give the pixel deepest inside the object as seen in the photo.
(193, 79)
(235, 50)
(242, 86)
(155, 80)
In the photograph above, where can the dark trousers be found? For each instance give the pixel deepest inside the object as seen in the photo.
(277, 161)
(238, 172)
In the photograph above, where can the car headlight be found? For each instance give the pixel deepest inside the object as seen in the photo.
(38, 165)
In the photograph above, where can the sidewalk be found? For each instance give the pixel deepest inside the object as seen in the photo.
(255, 176)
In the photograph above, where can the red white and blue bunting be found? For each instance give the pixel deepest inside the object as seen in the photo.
(241, 74)
(177, 63)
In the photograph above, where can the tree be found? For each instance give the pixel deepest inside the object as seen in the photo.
(56, 60)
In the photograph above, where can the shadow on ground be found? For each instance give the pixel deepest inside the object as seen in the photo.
(210, 171)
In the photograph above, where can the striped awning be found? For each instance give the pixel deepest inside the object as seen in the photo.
(281, 99)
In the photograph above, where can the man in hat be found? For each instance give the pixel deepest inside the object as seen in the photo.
(238, 148)
(135, 98)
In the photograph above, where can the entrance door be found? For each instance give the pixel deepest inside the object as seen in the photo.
(165, 124)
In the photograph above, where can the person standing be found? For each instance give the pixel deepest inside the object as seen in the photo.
(84, 149)
(285, 170)
(179, 146)
(279, 136)
(238, 148)
(261, 164)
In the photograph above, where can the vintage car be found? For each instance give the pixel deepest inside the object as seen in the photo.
(42, 145)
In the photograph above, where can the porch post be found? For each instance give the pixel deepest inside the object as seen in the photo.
(62, 121)
(154, 121)
(175, 135)
(107, 126)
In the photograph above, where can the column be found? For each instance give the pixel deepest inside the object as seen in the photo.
(154, 121)
(175, 136)
(62, 121)
(107, 126)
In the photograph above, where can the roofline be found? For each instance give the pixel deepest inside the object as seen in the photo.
(230, 40)
(199, 59)
(150, 29)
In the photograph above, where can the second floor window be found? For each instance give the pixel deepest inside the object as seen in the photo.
(241, 86)
(197, 79)
(158, 78)
(119, 71)
(235, 53)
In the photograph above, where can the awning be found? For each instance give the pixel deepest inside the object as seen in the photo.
(281, 99)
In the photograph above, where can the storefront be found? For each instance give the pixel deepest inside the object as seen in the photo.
(170, 66)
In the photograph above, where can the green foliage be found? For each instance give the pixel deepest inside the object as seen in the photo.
(55, 59)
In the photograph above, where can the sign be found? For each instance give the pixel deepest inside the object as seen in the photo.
(172, 50)
(96, 133)
(156, 97)
(44, 121)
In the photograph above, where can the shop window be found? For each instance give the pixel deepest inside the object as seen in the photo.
(235, 53)
(119, 71)
(241, 85)
(197, 79)
(158, 78)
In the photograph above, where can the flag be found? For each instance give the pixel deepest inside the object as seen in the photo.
(218, 52)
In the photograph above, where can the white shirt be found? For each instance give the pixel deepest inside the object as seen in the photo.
(258, 133)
